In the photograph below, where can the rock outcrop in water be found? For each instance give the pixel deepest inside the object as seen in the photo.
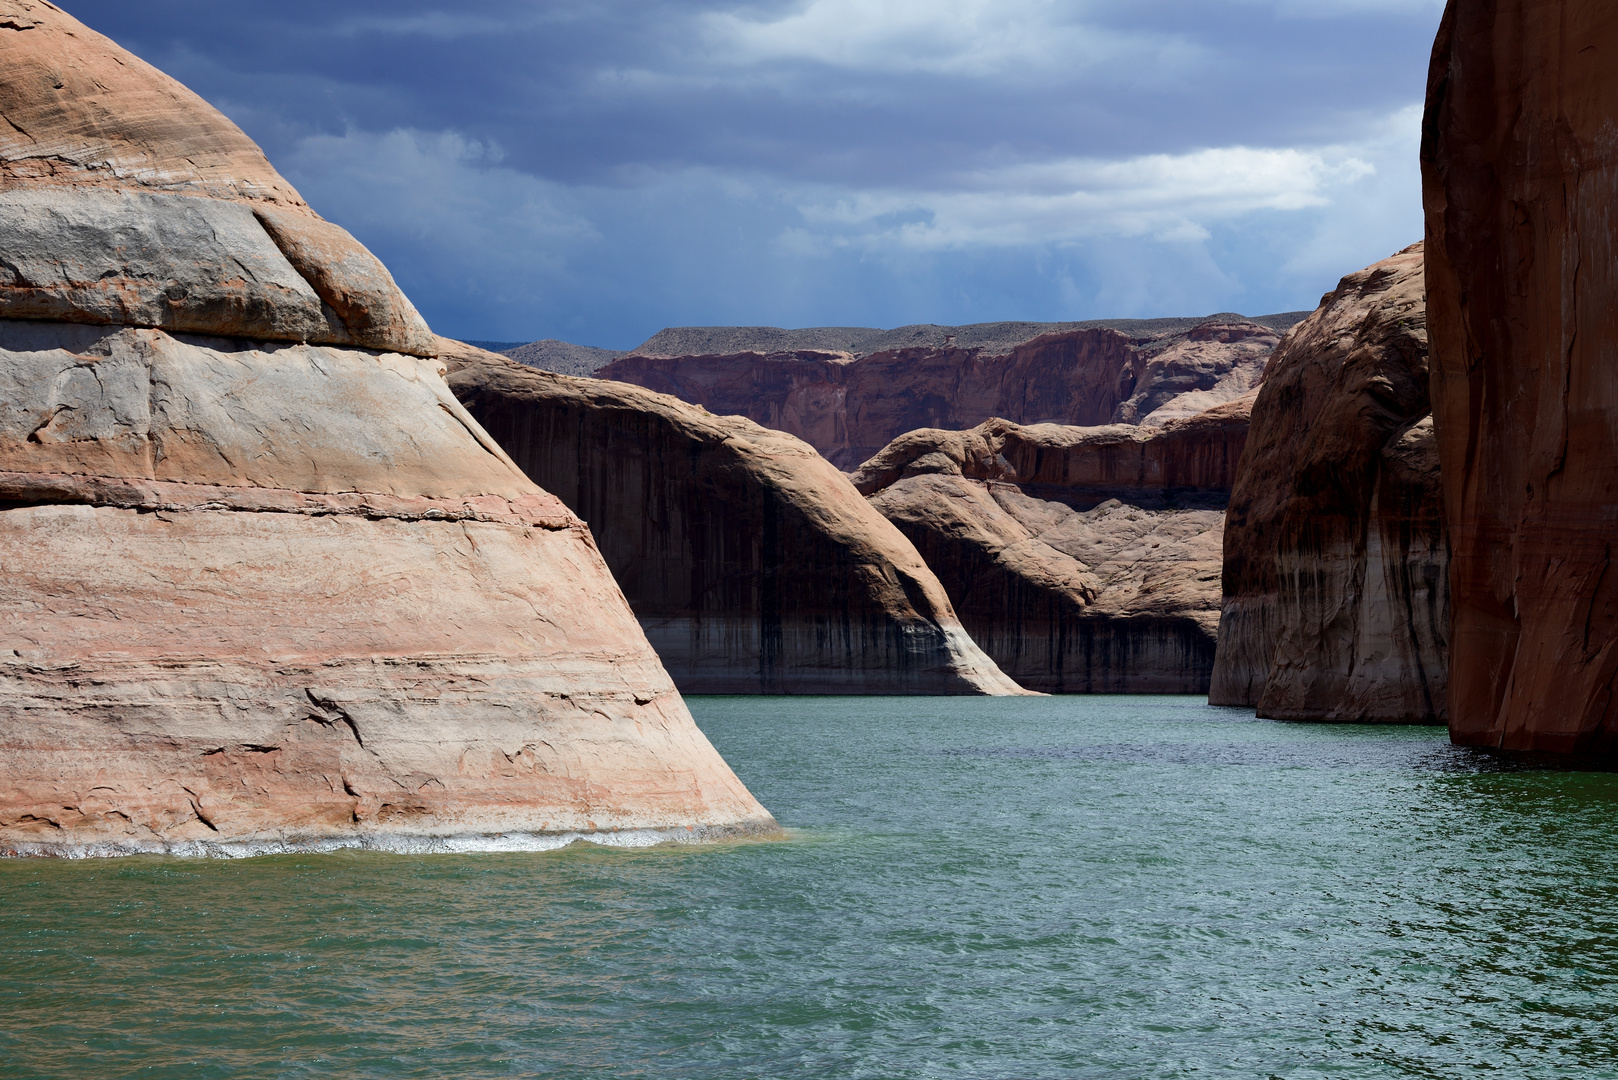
(1083, 560)
(1520, 175)
(752, 563)
(264, 580)
(1335, 561)
(851, 401)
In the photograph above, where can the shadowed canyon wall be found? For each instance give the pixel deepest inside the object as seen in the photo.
(1335, 557)
(1083, 560)
(1520, 177)
(849, 405)
(263, 580)
(752, 563)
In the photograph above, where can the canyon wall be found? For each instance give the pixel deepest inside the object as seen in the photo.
(752, 563)
(1083, 560)
(263, 581)
(849, 404)
(1335, 556)
(1520, 178)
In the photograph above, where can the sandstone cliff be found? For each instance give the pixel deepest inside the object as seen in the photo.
(1520, 177)
(263, 580)
(1335, 556)
(752, 563)
(849, 404)
(1083, 560)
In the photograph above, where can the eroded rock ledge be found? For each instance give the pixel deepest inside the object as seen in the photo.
(1084, 560)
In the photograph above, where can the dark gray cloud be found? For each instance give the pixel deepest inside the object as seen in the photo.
(595, 170)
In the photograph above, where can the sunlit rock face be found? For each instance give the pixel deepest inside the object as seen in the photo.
(1336, 597)
(265, 582)
(849, 403)
(752, 563)
(1083, 560)
(1520, 178)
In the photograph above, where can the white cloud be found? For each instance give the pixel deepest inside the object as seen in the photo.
(1163, 197)
(947, 37)
(489, 251)
(1379, 213)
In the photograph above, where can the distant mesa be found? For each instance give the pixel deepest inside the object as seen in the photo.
(849, 404)
(568, 359)
(995, 337)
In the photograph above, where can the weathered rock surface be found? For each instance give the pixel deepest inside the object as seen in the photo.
(1520, 177)
(849, 404)
(1185, 374)
(1083, 560)
(752, 563)
(1335, 588)
(256, 590)
(123, 197)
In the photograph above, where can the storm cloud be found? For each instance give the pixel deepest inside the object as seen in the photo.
(595, 171)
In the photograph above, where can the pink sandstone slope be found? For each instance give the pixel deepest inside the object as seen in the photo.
(265, 582)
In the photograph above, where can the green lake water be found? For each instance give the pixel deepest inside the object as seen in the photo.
(1019, 888)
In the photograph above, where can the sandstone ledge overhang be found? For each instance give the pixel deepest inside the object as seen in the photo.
(94, 401)
(191, 264)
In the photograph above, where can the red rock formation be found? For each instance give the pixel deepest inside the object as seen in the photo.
(1335, 597)
(1520, 177)
(1182, 375)
(258, 590)
(1083, 560)
(848, 405)
(752, 563)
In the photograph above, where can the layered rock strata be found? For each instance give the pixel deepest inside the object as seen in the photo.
(849, 404)
(1083, 560)
(1520, 177)
(1336, 599)
(752, 563)
(263, 581)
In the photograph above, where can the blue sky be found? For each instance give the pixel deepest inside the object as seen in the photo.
(594, 170)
